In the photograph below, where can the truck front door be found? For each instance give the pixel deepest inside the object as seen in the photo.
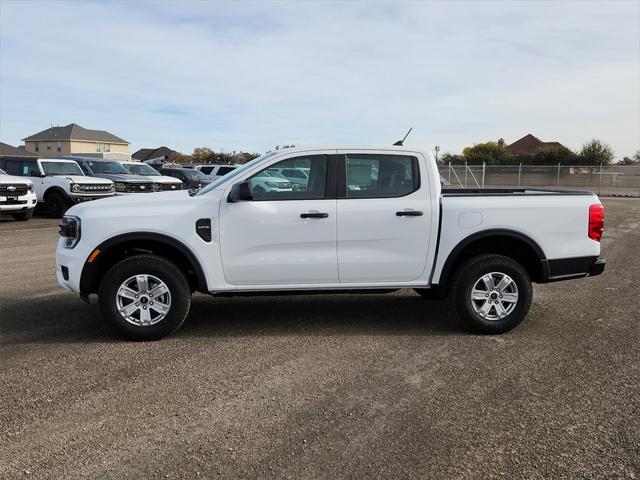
(286, 235)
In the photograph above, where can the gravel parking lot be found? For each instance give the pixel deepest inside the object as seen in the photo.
(340, 386)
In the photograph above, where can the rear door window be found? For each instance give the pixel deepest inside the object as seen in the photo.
(381, 176)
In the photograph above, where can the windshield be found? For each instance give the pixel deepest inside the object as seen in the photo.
(141, 169)
(106, 167)
(61, 168)
(235, 173)
(195, 175)
(2, 172)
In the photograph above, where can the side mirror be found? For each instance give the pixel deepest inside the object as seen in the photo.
(241, 192)
(36, 173)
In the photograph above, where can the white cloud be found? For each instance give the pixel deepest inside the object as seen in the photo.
(252, 75)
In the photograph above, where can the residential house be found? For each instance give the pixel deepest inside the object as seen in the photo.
(73, 139)
(7, 150)
(155, 155)
(528, 145)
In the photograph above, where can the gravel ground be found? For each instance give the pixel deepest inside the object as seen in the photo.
(339, 386)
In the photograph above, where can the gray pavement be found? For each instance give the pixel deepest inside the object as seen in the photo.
(339, 386)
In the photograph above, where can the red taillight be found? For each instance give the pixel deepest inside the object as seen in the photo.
(596, 221)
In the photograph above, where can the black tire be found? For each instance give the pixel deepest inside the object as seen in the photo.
(57, 205)
(471, 272)
(159, 267)
(23, 216)
(259, 190)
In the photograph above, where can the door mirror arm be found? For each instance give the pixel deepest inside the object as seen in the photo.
(240, 192)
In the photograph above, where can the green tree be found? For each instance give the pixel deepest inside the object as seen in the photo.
(595, 152)
(553, 156)
(203, 155)
(489, 153)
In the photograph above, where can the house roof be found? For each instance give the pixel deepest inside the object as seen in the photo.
(6, 149)
(149, 153)
(529, 145)
(74, 132)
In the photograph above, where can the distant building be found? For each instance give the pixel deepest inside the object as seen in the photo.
(7, 150)
(529, 145)
(153, 155)
(73, 139)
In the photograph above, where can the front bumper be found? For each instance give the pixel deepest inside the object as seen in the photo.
(24, 202)
(72, 259)
(79, 198)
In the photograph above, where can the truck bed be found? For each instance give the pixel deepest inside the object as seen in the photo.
(493, 192)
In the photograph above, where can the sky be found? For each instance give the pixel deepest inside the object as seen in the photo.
(251, 75)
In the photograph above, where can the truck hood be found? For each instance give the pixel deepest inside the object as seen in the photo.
(163, 179)
(163, 204)
(83, 180)
(121, 177)
(14, 179)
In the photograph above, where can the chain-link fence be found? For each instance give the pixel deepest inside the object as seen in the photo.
(608, 181)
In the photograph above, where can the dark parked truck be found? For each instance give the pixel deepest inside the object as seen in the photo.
(367, 219)
(125, 182)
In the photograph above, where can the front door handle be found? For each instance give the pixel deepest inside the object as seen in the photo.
(409, 213)
(314, 215)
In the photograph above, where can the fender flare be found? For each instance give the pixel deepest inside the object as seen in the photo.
(88, 269)
(55, 189)
(493, 232)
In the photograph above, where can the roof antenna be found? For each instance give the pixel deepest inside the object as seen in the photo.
(400, 143)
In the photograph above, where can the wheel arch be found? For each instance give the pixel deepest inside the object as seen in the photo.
(510, 243)
(119, 247)
(54, 189)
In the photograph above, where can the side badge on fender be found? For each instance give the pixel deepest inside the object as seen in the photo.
(203, 229)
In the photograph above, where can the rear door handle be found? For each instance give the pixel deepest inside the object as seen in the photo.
(409, 213)
(314, 215)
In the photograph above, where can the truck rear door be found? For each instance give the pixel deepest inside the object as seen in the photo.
(384, 217)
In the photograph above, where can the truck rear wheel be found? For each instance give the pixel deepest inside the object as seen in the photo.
(144, 297)
(491, 293)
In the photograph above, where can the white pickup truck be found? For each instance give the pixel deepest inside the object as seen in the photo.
(58, 183)
(369, 219)
(17, 197)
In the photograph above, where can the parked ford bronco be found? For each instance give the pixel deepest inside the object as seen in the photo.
(367, 219)
(57, 183)
(17, 197)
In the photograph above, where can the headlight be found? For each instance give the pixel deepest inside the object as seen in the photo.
(111, 187)
(75, 187)
(120, 186)
(30, 187)
(70, 230)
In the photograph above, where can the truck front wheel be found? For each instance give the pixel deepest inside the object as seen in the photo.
(491, 293)
(23, 216)
(144, 297)
(57, 205)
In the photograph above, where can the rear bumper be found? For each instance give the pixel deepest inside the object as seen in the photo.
(568, 268)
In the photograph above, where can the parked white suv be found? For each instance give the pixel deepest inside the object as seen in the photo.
(58, 183)
(17, 197)
(369, 218)
(270, 181)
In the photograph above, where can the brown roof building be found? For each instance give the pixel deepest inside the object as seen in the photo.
(155, 154)
(530, 145)
(8, 150)
(74, 139)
